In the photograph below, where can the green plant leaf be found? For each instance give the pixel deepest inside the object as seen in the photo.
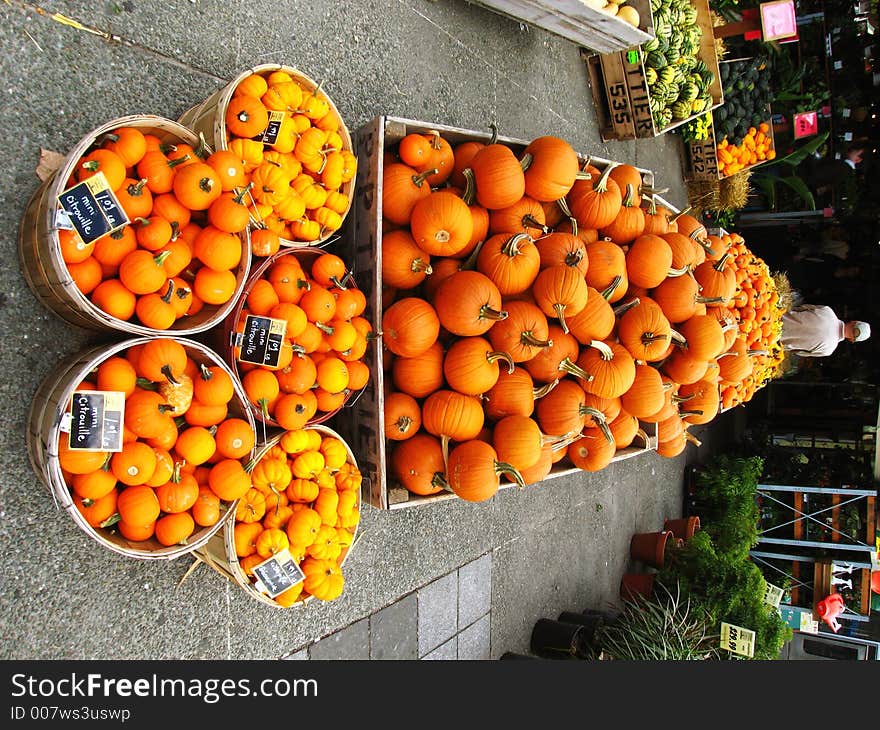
(767, 185)
(801, 153)
(800, 187)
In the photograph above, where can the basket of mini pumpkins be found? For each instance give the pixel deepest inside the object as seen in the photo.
(144, 443)
(295, 148)
(141, 230)
(300, 516)
(297, 337)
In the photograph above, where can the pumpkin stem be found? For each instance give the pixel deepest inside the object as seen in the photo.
(711, 300)
(160, 258)
(680, 214)
(418, 265)
(573, 258)
(606, 352)
(418, 180)
(263, 403)
(719, 265)
(112, 520)
(444, 448)
(439, 480)
(525, 162)
(527, 338)
(470, 187)
(560, 315)
(403, 423)
(695, 412)
(643, 435)
(567, 366)
(704, 242)
(494, 138)
(601, 185)
(529, 220)
(470, 263)
(600, 421)
(511, 248)
(677, 338)
(324, 328)
(165, 408)
(652, 191)
(179, 160)
(672, 273)
(205, 372)
(137, 189)
(497, 355)
(166, 297)
(175, 472)
(566, 211)
(502, 467)
(612, 287)
(693, 439)
(649, 338)
(758, 352)
(683, 398)
(169, 376)
(486, 312)
(145, 384)
(626, 306)
(582, 175)
(630, 195)
(544, 389)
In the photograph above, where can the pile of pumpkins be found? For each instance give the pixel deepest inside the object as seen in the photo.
(537, 308)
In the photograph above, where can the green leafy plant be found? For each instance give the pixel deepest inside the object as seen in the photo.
(663, 627)
(767, 183)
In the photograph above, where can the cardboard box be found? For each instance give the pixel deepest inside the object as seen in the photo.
(362, 422)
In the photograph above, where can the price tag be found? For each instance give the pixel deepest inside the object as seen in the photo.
(778, 20)
(773, 595)
(838, 65)
(846, 112)
(808, 625)
(828, 44)
(737, 640)
(632, 56)
(95, 420)
(92, 208)
(847, 137)
(806, 124)
(270, 135)
(278, 574)
(261, 340)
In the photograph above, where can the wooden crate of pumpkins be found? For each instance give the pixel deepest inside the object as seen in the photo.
(493, 366)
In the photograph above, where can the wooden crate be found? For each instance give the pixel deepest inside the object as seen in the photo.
(702, 155)
(620, 90)
(362, 423)
(579, 23)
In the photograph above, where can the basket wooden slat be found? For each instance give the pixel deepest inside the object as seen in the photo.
(44, 428)
(46, 272)
(219, 551)
(209, 118)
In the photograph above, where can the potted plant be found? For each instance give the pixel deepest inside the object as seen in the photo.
(667, 626)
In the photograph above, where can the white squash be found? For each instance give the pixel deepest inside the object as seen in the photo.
(629, 14)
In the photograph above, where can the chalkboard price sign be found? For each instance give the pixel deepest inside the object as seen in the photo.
(96, 418)
(278, 573)
(270, 135)
(261, 340)
(92, 208)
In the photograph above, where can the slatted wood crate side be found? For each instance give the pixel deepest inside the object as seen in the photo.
(579, 23)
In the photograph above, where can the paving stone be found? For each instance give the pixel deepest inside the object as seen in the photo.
(438, 612)
(474, 590)
(394, 630)
(352, 642)
(447, 651)
(474, 641)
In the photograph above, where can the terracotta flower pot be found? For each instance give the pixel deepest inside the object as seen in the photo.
(649, 547)
(684, 527)
(636, 584)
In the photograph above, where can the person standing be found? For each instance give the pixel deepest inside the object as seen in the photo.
(813, 330)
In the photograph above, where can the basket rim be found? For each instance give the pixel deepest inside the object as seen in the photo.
(54, 186)
(229, 529)
(59, 489)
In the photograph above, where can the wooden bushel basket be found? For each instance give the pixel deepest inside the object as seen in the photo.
(219, 551)
(46, 272)
(51, 402)
(225, 335)
(209, 119)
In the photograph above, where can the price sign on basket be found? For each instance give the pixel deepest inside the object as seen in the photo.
(94, 422)
(773, 595)
(806, 124)
(270, 135)
(92, 208)
(778, 20)
(278, 574)
(261, 340)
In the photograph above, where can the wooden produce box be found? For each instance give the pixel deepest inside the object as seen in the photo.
(702, 155)
(579, 23)
(362, 423)
(620, 90)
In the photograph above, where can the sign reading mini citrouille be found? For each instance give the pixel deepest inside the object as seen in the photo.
(92, 208)
(773, 595)
(270, 135)
(95, 420)
(261, 340)
(737, 640)
(278, 574)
